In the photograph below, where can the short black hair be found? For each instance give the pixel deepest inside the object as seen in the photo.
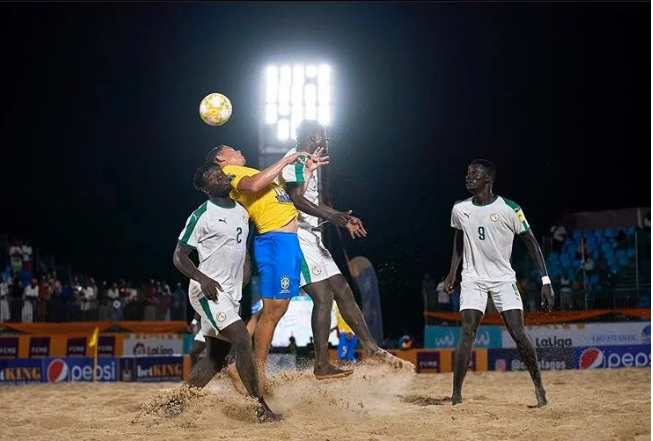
(199, 180)
(210, 156)
(306, 127)
(489, 167)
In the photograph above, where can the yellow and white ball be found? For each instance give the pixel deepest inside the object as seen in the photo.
(215, 109)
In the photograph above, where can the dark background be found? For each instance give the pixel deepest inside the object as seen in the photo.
(100, 134)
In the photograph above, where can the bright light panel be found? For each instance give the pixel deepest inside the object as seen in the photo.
(294, 93)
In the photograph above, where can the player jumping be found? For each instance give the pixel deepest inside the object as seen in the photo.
(276, 247)
(218, 230)
(320, 276)
(486, 224)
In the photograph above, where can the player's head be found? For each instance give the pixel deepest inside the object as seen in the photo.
(311, 135)
(211, 180)
(223, 155)
(480, 174)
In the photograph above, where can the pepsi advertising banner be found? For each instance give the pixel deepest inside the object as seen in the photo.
(613, 357)
(151, 369)
(547, 359)
(21, 371)
(59, 370)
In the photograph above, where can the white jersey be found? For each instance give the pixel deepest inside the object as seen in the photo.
(219, 234)
(489, 231)
(294, 174)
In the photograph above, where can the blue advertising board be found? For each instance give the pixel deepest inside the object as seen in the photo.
(441, 337)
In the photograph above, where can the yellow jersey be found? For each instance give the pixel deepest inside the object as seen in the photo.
(343, 327)
(270, 208)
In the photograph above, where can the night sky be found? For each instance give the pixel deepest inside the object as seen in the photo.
(100, 133)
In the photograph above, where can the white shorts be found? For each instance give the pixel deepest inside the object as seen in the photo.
(216, 315)
(474, 295)
(317, 263)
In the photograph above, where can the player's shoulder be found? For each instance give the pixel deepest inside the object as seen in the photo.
(510, 204)
(462, 203)
(238, 170)
(292, 151)
(199, 212)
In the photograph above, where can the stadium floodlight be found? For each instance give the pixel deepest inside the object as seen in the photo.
(294, 93)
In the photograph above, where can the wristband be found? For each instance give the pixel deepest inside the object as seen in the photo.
(546, 280)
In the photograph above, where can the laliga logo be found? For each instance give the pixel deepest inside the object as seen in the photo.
(57, 371)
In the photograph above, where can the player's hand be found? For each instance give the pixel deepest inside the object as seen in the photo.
(298, 157)
(548, 297)
(340, 218)
(449, 283)
(316, 160)
(210, 288)
(355, 227)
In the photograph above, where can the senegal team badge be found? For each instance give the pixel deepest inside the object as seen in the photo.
(221, 317)
(494, 217)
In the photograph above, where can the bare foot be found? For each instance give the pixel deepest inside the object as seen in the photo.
(541, 397)
(381, 356)
(330, 371)
(456, 399)
(232, 372)
(265, 415)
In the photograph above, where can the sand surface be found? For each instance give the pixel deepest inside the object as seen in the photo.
(376, 403)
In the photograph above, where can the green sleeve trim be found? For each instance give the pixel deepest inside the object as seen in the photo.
(192, 222)
(299, 173)
(186, 245)
(512, 204)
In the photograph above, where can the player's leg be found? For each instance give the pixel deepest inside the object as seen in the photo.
(509, 303)
(241, 342)
(353, 315)
(195, 351)
(231, 370)
(209, 366)
(473, 301)
(351, 312)
(471, 319)
(322, 296)
(273, 310)
(514, 320)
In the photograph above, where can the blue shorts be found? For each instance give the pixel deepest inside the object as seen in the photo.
(347, 348)
(279, 261)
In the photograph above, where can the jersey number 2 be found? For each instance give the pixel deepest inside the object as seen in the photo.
(481, 233)
(239, 231)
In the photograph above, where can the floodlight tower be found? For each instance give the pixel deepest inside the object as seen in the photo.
(290, 94)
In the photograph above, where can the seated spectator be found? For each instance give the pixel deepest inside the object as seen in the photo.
(566, 294)
(4, 303)
(559, 235)
(27, 256)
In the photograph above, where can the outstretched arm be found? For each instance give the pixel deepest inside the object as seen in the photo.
(338, 218)
(456, 257)
(536, 254)
(182, 262)
(253, 184)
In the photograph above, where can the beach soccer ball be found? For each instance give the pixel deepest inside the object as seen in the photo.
(215, 109)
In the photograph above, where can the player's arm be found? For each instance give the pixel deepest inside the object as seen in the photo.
(338, 218)
(247, 270)
(456, 257)
(182, 261)
(257, 182)
(536, 254)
